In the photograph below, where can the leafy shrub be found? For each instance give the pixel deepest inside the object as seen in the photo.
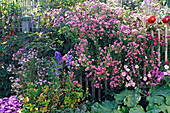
(110, 45)
(9, 45)
(128, 101)
(159, 99)
(57, 96)
(45, 84)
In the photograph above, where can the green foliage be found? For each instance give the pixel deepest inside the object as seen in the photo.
(159, 99)
(11, 45)
(137, 109)
(128, 97)
(128, 102)
(55, 96)
(106, 106)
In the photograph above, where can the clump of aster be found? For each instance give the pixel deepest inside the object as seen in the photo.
(10, 105)
(31, 68)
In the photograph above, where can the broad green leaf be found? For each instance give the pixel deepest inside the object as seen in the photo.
(165, 108)
(120, 97)
(129, 97)
(124, 109)
(132, 100)
(155, 100)
(137, 109)
(106, 106)
(168, 100)
(152, 108)
(163, 90)
(117, 111)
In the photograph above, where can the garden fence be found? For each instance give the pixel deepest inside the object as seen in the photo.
(23, 23)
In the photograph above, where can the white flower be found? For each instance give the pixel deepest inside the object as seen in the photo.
(136, 66)
(127, 84)
(149, 75)
(133, 84)
(127, 69)
(128, 77)
(123, 73)
(144, 78)
(166, 66)
(125, 66)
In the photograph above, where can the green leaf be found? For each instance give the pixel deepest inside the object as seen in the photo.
(137, 109)
(117, 111)
(168, 100)
(165, 108)
(158, 94)
(120, 97)
(163, 90)
(132, 100)
(129, 97)
(106, 106)
(152, 108)
(155, 100)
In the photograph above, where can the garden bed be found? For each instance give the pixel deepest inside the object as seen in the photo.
(87, 57)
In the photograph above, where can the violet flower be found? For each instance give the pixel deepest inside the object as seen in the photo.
(69, 60)
(58, 56)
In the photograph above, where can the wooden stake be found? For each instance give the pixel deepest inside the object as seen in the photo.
(105, 87)
(159, 38)
(93, 88)
(144, 26)
(166, 42)
(99, 91)
(152, 37)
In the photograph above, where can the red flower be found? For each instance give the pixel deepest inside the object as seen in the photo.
(151, 19)
(168, 36)
(150, 37)
(166, 18)
(166, 62)
(155, 43)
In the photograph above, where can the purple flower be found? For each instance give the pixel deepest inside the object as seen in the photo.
(69, 60)
(10, 105)
(56, 72)
(58, 56)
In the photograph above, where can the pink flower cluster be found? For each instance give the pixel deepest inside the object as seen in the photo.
(110, 47)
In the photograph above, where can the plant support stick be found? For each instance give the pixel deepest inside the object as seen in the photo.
(166, 42)
(144, 25)
(159, 38)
